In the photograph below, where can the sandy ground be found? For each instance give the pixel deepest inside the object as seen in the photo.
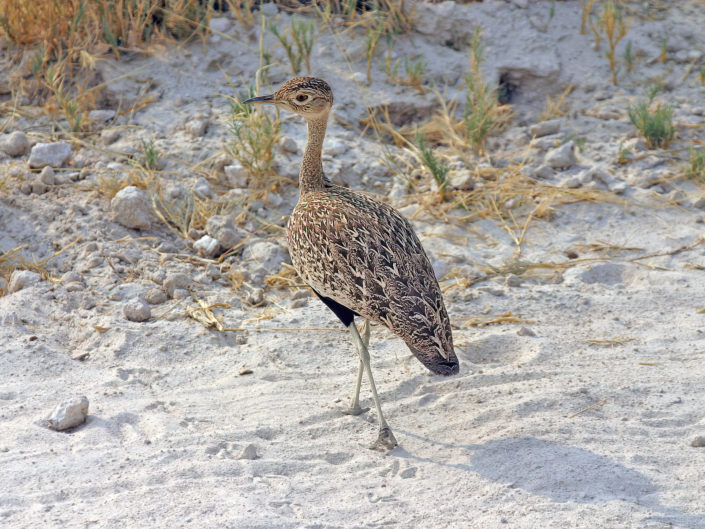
(580, 414)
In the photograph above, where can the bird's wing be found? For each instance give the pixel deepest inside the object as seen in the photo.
(367, 257)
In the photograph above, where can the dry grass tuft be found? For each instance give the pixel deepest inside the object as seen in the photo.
(14, 260)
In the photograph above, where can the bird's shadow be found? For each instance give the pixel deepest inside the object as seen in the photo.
(561, 473)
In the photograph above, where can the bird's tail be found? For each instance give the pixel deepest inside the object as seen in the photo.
(445, 363)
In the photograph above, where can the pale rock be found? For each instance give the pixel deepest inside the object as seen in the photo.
(463, 180)
(572, 182)
(109, 136)
(69, 413)
(207, 246)
(203, 188)
(699, 202)
(26, 188)
(130, 208)
(698, 441)
(269, 9)
(544, 128)
(435, 19)
(336, 148)
(220, 24)
(236, 174)
(255, 297)
(39, 187)
(176, 281)
(21, 279)
(101, 115)
(269, 255)
(359, 78)
(288, 144)
(544, 172)
(137, 310)
(250, 451)
(155, 296)
(180, 293)
(53, 154)
(14, 144)
(525, 331)
(222, 228)
(561, 157)
(398, 190)
(197, 127)
(71, 277)
(48, 176)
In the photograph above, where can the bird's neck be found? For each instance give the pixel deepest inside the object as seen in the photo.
(311, 176)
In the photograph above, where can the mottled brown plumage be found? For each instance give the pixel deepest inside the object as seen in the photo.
(361, 253)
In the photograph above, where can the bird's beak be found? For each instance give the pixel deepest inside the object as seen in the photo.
(261, 99)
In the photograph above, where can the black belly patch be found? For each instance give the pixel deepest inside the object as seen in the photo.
(346, 315)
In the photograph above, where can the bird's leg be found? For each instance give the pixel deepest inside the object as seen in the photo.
(386, 437)
(355, 408)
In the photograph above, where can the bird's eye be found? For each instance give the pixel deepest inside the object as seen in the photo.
(301, 98)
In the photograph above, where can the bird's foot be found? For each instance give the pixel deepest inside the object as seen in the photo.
(354, 410)
(385, 441)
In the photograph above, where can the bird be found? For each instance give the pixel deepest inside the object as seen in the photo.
(360, 256)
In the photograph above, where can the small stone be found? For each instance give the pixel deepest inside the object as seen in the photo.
(336, 148)
(39, 188)
(197, 127)
(255, 297)
(699, 203)
(53, 154)
(359, 78)
(180, 293)
(572, 182)
(301, 294)
(21, 279)
(250, 451)
(463, 181)
(288, 144)
(544, 128)
(137, 310)
(237, 175)
(207, 246)
(101, 115)
(14, 144)
(69, 413)
(219, 24)
(561, 157)
(47, 176)
(176, 281)
(109, 136)
(70, 277)
(269, 9)
(298, 303)
(698, 442)
(513, 280)
(222, 228)
(269, 255)
(74, 286)
(26, 188)
(155, 296)
(203, 188)
(525, 331)
(130, 208)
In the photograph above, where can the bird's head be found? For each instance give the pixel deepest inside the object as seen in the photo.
(309, 97)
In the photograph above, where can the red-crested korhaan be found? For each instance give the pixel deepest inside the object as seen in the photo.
(360, 256)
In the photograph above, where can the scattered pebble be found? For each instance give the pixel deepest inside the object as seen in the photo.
(268, 254)
(545, 128)
(176, 281)
(101, 115)
(219, 24)
(197, 127)
(288, 144)
(69, 413)
(109, 136)
(21, 279)
(255, 297)
(561, 157)
(155, 296)
(53, 154)
(250, 451)
(236, 174)
(222, 228)
(47, 176)
(269, 9)
(14, 144)
(207, 246)
(137, 310)
(130, 208)
(698, 442)
(203, 188)
(525, 331)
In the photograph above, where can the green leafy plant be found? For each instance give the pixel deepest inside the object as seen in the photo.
(655, 126)
(151, 155)
(414, 71)
(629, 57)
(297, 41)
(437, 168)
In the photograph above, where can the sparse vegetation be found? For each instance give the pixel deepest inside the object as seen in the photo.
(414, 71)
(297, 41)
(481, 99)
(655, 126)
(615, 29)
(151, 155)
(255, 133)
(696, 166)
(437, 168)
